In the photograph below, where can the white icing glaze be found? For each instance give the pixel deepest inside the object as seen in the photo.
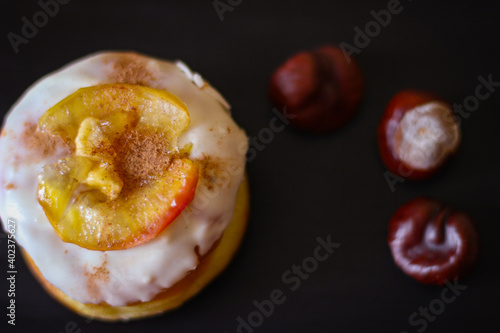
(425, 135)
(139, 273)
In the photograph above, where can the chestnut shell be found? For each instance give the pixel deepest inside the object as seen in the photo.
(399, 104)
(431, 242)
(321, 88)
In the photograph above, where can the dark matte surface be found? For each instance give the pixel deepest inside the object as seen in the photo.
(303, 187)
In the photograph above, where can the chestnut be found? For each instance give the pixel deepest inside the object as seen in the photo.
(318, 90)
(417, 134)
(431, 242)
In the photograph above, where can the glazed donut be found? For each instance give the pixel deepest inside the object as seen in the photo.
(126, 177)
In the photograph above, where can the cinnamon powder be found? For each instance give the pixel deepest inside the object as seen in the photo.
(42, 144)
(132, 69)
(141, 156)
(98, 274)
(212, 173)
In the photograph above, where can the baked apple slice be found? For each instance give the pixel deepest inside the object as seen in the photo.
(84, 216)
(126, 180)
(117, 106)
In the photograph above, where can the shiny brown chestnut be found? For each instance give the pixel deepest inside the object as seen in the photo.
(318, 90)
(417, 134)
(431, 242)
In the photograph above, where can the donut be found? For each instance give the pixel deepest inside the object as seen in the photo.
(125, 177)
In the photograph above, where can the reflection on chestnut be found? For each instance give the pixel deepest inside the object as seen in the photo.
(320, 90)
(431, 242)
(417, 134)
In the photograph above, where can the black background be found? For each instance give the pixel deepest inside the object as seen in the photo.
(303, 186)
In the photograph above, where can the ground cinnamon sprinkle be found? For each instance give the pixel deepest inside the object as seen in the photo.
(213, 172)
(141, 156)
(43, 144)
(98, 274)
(10, 186)
(132, 69)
